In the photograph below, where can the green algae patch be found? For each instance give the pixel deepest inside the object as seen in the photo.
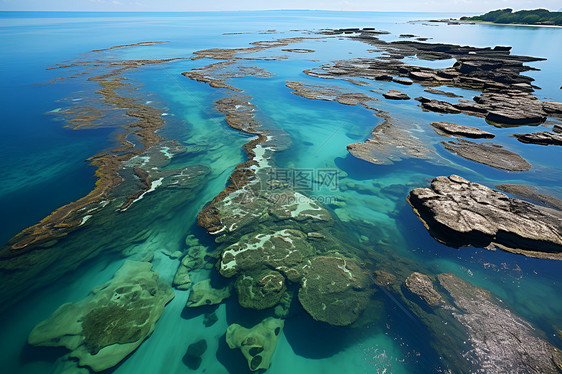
(335, 290)
(109, 324)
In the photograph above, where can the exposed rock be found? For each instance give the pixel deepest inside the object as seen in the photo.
(557, 129)
(542, 138)
(439, 92)
(390, 142)
(234, 53)
(452, 129)
(532, 194)
(194, 352)
(203, 293)
(328, 93)
(422, 76)
(258, 343)
(335, 290)
(104, 328)
(512, 107)
(396, 95)
(403, 81)
(459, 213)
(437, 106)
(422, 286)
(502, 341)
(298, 50)
(507, 97)
(216, 74)
(490, 154)
(383, 77)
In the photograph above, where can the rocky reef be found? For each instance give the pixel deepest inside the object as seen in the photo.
(506, 98)
(258, 343)
(335, 290)
(459, 213)
(203, 293)
(104, 328)
(108, 163)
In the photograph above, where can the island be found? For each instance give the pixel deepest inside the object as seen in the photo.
(539, 17)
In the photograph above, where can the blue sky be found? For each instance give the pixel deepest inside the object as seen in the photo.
(198, 5)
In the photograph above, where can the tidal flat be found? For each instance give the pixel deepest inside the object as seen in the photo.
(279, 192)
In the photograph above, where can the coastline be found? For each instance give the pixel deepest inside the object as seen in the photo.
(507, 24)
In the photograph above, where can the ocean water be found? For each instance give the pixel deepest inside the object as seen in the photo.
(43, 167)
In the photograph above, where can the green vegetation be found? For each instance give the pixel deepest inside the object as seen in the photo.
(527, 17)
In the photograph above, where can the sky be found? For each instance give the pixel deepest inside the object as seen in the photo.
(473, 6)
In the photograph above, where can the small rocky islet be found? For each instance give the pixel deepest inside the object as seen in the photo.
(280, 248)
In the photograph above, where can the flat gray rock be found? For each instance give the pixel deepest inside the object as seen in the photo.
(452, 129)
(395, 95)
(502, 341)
(459, 213)
(490, 154)
(541, 138)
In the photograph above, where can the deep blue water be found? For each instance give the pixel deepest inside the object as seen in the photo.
(43, 167)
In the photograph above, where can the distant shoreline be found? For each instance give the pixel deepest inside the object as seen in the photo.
(507, 24)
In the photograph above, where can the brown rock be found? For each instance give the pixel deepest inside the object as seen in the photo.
(422, 286)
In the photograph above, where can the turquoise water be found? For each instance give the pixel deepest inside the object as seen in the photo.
(43, 167)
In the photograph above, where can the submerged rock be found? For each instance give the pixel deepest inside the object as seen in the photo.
(257, 343)
(490, 154)
(452, 129)
(104, 328)
(384, 278)
(532, 194)
(203, 293)
(261, 289)
(502, 342)
(194, 352)
(335, 290)
(182, 281)
(209, 319)
(459, 213)
(282, 250)
(422, 286)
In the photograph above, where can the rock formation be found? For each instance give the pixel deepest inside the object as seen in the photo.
(459, 213)
(104, 328)
(257, 343)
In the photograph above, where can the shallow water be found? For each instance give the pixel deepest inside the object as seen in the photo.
(43, 168)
